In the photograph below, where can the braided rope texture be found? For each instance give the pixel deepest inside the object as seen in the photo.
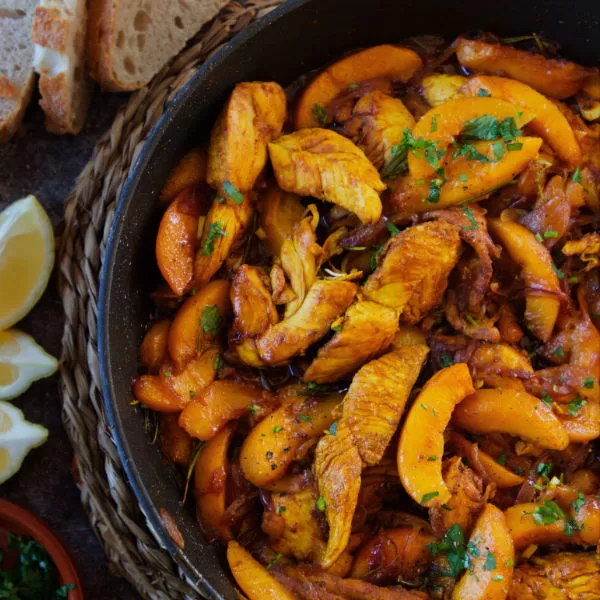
(132, 549)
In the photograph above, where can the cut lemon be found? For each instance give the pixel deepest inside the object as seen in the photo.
(17, 438)
(26, 258)
(22, 362)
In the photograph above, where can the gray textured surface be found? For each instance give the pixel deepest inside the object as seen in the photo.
(39, 163)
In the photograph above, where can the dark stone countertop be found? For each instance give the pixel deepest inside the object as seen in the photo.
(39, 163)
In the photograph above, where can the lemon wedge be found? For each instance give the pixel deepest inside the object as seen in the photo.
(26, 258)
(17, 438)
(22, 362)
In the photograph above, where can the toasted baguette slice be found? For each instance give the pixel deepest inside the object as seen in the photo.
(58, 33)
(128, 42)
(17, 77)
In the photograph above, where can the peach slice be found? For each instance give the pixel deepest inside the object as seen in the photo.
(198, 321)
(557, 78)
(421, 444)
(190, 172)
(256, 581)
(385, 61)
(210, 479)
(150, 391)
(513, 412)
(492, 539)
(174, 441)
(549, 123)
(153, 349)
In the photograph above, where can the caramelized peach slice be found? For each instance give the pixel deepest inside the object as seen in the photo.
(153, 349)
(190, 172)
(557, 78)
(174, 441)
(549, 123)
(585, 426)
(151, 391)
(256, 581)
(399, 554)
(494, 471)
(279, 439)
(385, 61)
(421, 444)
(513, 412)
(466, 180)
(491, 537)
(210, 479)
(198, 321)
(450, 119)
(537, 271)
(176, 240)
(219, 403)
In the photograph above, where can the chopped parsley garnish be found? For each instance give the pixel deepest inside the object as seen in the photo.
(446, 360)
(281, 510)
(432, 458)
(305, 418)
(374, 256)
(577, 176)
(539, 238)
(462, 177)
(392, 228)
(490, 562)
(501, 460)
(277, 428)
(487, 127)
(550, 234)
(233, 192)
(514, 146)
(435, 186)
(336, 328)
(470, 153)
(434, 123)
(253, 408)
(571, 527)
(215, 231)
(333, 428)
(319, 114)
(192, 393)
(577, 504)
(559, 352)
(557, 271)
(576, 405)
(321, 503)
(167, 374)
(544, 469)
(277, 558)
(483, 93)
(454, 547)
(471, 217)
(498, 149)
(547, 514)
(588, 383)
(546, 399)
(218, 362)
(34, 575)
(497, 577)
(430, 496)
(211, 321)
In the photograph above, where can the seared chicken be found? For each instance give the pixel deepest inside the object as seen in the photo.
(253, 116)
(326, 165)
(254, 312)
(367, 331)
(337, 469)
(377, 396)
(377, 125)
(326, 300)
(413, 275)
(563, 576)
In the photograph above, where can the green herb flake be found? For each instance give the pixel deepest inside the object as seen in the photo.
(321, 503)
(487, 127)
(233, 193)
(471, 217)
(577, 504)
(514, 146)
(392, 228)
(277, 428)
(215, 231)
(435, 186)
(576, 405)
(281, 510)
(462, 177)
(454, 547)
(544, 469)
(501, 460)
(333, 428)
(434, 123)
(539, 238)
(275, 560)
(253, 408)
(557, 271)
(588, 383)
(483, 93)
(211, 321)
(167, 374)
(498, 150)
(509, 563)
(218, 362)
(547, 514)
(577, 176)
(550, 234)
(490, 562)
(497, 577)
(375, 255)
(305, 418)
(352, 86)
(446, 360)
(573, 279)
(546, 399)
(336, 328)
(192, 394)
(430, 496)
(559, 352)
(432, 458)
(319, 114)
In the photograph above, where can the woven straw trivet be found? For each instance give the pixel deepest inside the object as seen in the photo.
(131, 547)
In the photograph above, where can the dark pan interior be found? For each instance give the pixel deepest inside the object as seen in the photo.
(300, 36)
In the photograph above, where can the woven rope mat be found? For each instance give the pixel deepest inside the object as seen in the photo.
(132, 550)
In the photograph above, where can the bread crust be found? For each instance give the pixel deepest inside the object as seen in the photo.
(49, 29)
(9, 126)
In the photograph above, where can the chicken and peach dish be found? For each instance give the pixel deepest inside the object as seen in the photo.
(376, 351)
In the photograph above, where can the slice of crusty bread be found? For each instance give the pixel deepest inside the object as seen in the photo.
(58, 33)
(130, 40)
(17, 77)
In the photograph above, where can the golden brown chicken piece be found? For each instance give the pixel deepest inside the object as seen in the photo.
(413, 275)
(377, 396)
(324, 164)
(468, 498)
(300, 259)
(562, 576)
(337, 469)
(254, 312)
(377, 124)
(326, 300)
(253, 116)
(289, 522)
(367, 331)
(224, 226)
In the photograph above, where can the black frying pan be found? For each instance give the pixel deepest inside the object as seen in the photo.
(299, 36)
